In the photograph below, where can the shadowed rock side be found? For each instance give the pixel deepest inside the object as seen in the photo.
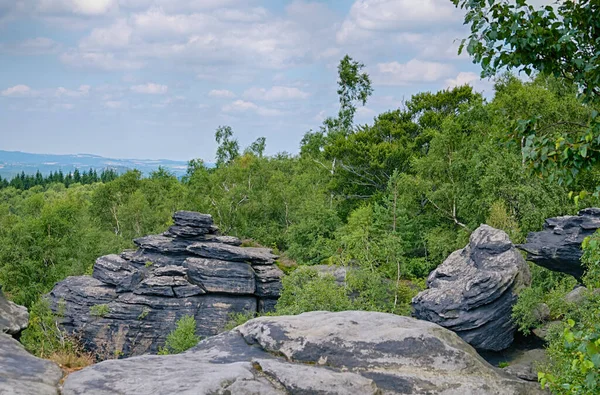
(20, 372)
(558, 246)
(314, 353)
(472, 293)
(133, 300)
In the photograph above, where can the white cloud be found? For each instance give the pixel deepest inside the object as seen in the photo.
(101, 60)
(32, 46)
(472, 79)
(82, 91)
(276, 93)
(242, 106)
(18, 91)
(117, 35)
(113, 105)
(78, 7)
(367, 16)
(414, 71)
(150, 89)
(221, 94)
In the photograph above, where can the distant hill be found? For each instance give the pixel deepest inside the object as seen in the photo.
(15, 162)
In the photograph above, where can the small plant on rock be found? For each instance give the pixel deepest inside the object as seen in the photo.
(99, 310)
(181, 338)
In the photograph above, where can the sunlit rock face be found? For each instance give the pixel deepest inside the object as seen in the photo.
(350, 352)
(473, 291)
(133, 300)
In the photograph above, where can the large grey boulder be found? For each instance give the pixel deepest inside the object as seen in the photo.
(23, 374)
(134, 300)
(325, 353)
(13, 318)
(473, 291)
(20, 372)
(558, 246)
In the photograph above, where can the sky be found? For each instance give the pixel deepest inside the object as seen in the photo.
(154, 78)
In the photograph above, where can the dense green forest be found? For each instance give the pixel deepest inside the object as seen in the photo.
(391, 198)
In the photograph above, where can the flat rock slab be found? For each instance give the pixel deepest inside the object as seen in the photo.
(23, 374)
(473, 291)
(314, 353)
(218, 276)
(227, 252)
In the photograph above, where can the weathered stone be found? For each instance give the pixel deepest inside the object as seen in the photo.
(226, 252)
(544, 330)
(171, 270)
(541, 313)
(191, 231)
(314, 353)
(266, 305)
(558, 246)
(473, 291)
(114, 270)
(578, 295)
(13, 318)
(526, 366)
(160, 286)
(268, 281)
(192, 218)
(135, 298)
(137, 324)
(220, 276)
(23, 374)
(338, 272)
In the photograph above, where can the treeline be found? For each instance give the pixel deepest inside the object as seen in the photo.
(26, 181)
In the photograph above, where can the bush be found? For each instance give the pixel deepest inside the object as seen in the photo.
(181, 338)
(237, 319)
(306, 290)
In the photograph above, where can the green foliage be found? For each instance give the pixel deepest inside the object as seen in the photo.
(181, 338)
(228, 148)
(574, 366)
(237, 319)
(99, 310)
(43, 337)
(560, 41)
(306, 290)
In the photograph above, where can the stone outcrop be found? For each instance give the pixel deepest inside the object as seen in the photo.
(133, 300)
(13, 318)
(472, 293)
(20, 372)
(558, 246)
(349, 352)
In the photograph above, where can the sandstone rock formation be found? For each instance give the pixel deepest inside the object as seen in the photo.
(13, 318)
(345, 353)
(558, 246)
(133, 300)
(20, 372)
(473, 291)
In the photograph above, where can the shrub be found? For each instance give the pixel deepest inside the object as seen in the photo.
(181, 338)
(99, 310)
(237, 319)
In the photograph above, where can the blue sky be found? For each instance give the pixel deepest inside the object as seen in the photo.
(154, 78)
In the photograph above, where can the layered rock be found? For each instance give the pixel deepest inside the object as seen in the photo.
(473, 291)
(350, 352)
(20, 372)
(558, 246)
(133, 300)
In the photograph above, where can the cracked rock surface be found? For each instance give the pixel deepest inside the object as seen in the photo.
(133, 300)
(473, 291)
(345, 353)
